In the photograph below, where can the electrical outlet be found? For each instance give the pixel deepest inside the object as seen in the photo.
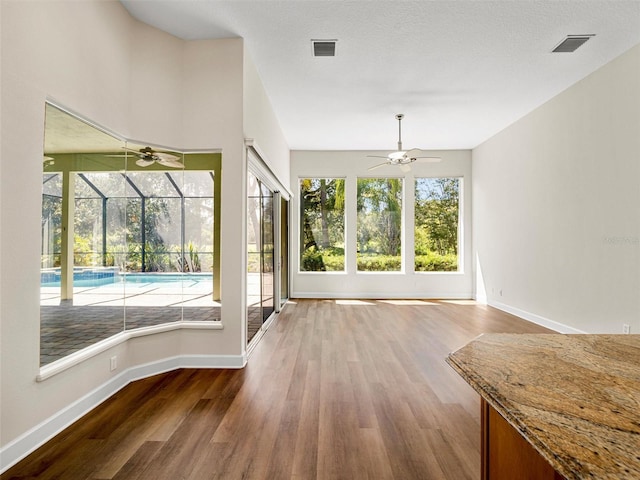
(626, 328)
(114, 363)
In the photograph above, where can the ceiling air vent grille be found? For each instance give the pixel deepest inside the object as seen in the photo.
(324, 48)
(571, 43)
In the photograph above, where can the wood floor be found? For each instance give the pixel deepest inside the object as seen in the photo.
(334, 390)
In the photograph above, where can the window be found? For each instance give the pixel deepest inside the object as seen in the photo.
(125, 243)
(379, 229)
(437, 216)
(321, 224)
(51, 221)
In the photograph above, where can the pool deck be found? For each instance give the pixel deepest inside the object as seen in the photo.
(97, 313)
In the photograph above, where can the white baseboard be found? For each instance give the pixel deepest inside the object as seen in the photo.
(481, 299)
(532, 317)
(22, 446)
(385, 296)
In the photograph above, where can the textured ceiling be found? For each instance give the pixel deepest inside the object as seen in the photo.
(460, 71)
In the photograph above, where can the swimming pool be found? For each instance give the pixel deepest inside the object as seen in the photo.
(97, 277)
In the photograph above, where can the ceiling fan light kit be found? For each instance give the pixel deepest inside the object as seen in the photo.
(402, 157)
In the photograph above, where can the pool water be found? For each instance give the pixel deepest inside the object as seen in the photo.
(100, 277)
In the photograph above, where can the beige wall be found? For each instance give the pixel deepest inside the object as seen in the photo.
(77, 53)
(556, 202)
(259, 120)
(146, 85)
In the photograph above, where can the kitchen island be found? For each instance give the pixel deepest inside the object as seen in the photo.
(556, 406)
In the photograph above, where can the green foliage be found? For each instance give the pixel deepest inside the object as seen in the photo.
(194, 260)
(379, 263)
(379, 204)
(312, 261)
(52, 230)
(433, 262)
(322, 224)
(436, 215)
(190, 263)
(322, 260)
(83, 254)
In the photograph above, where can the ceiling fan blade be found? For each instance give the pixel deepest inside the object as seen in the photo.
(165, 156)
(413, 153)
(141, 162)
(428, 159)
(377, 156)
(379, 165)
(173, 163)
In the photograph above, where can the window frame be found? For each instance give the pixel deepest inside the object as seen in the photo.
(460, 231)
(299, 255)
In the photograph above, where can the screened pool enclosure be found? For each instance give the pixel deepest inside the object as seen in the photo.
(136, 222)
(128, 241)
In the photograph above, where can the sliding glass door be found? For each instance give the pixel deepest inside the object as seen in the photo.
(283, 254)
(260, 255)
(267, 246)
(266, 254)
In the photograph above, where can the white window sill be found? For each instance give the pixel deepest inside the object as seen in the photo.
(80, 356)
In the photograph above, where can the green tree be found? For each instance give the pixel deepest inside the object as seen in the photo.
(436, 215)
(322, 222)
(379, 215)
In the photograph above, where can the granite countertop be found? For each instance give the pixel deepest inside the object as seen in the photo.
(574, 398)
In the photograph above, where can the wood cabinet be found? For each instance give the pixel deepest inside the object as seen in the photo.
(506, 455)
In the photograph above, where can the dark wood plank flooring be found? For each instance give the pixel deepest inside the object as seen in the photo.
(335, 390)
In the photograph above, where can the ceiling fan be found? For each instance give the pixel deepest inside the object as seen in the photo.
(147, 156)
(403, 158)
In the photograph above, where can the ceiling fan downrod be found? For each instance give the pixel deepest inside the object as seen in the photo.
(399, 117)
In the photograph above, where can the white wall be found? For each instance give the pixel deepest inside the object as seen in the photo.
(556, 206)
(350, 165)
(261, 124)
(155, 88)
(61, 50)
(93, 58)
(212, 115)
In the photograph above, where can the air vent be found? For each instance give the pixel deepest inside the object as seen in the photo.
(571, 43)
(324, 48)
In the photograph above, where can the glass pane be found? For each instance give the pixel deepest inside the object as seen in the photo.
(197, 184)
(79, 305)
(133, 245)
(154, 184)
(84, 188)
(88, 250)
(51, 228)
(254, 247)
(379, 229)
(322, 224)
(103, 184)
(154, 284)
(284, 251)
(268, 300)
(199, 234)
(437, 214)
(52, 184)
(116, 233)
